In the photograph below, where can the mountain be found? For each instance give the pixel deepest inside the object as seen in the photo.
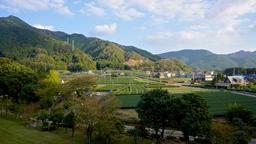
(106, 53)
(27, 45)
(206, 60)
(44, 49)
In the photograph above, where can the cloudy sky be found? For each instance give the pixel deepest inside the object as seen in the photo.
(221, 26)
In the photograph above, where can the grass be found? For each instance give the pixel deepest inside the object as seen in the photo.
(217, 100)
(13, 132)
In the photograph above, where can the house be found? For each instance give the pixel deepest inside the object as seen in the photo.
(209, 76)
(203, 76)
(169, 74)
(159, 75)
(232, 80)
(236, 80)
(148, 73)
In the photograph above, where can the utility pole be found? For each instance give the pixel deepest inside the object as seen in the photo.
(67, 39)
(73, 45)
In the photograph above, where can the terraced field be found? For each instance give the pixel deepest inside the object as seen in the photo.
(124, 85)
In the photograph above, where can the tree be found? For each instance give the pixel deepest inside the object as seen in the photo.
(192, 116)
(14, 77)
(93, 112)
(154, 109)
(53, 78)
(28, 93)
(80, 85)
(238, 111)
(69, 121)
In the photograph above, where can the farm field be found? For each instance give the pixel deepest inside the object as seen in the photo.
(217, 100)
(184, 89)
(13, 132)
(123, 80)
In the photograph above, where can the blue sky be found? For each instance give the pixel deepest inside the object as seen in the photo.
(221, 26)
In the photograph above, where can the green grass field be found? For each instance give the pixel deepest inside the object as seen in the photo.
(217, 100)
(13, 132)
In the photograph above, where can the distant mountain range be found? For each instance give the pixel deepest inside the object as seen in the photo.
(206, 60)
(43, 50)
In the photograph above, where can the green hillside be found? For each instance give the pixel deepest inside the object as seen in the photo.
(43, 50)
(106, 53)
(206, 60)
(28, 45)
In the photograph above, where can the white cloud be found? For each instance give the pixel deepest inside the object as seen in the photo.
(36, 5)
(217, 40)
(122, 9)
(60, 7)
(40, 26)
(92, 9)
(105, 29)
(128, 14)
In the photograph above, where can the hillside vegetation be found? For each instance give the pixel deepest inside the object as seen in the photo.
(206, 60)
(43, 50)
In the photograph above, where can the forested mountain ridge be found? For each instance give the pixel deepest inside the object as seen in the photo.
(26, 44)
(206, 60)
(43, 50)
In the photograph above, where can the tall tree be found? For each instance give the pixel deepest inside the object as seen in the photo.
(192, 116)
(92, 111)
(154, 109)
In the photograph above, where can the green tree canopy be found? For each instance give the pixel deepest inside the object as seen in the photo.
(192, 116)
(14, 77)
(154, 109)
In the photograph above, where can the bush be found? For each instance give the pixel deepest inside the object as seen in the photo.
(240, 137)
(46, 103)
(28, 93)
(238, 111)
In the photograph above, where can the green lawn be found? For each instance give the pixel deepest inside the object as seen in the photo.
(12, 132)
(217, 100)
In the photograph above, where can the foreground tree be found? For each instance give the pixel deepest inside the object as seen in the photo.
(154, 109)
(192, 116)
(14, 77)
(93, 112)
(69, 122)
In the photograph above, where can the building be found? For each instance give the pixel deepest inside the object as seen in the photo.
(236, 80)
(203, 76)
(232, 81)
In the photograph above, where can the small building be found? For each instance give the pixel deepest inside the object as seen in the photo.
(203, 76)
(236, 80)
(159, 75)
(148, 73)
(231, 81)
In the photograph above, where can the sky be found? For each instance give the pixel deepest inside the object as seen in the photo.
(221, 26)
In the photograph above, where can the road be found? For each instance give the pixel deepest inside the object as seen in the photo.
(167, 133)
(244, 93)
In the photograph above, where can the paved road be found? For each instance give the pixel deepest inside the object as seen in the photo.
(167, 133)
(244, 93)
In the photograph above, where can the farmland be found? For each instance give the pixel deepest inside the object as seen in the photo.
(217, 101)
(129, 90)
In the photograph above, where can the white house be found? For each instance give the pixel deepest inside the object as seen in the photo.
(236, 80)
